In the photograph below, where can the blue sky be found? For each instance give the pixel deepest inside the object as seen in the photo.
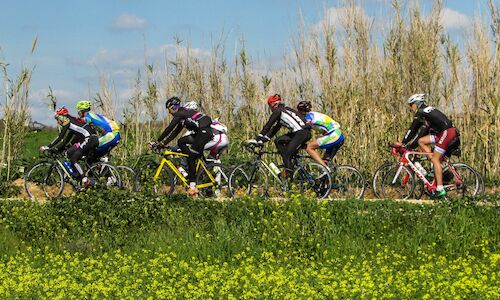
(79, 39)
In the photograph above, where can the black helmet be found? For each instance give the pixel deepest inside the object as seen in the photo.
(304, 105)
(172, 102)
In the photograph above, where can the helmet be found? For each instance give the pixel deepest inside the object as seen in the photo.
(83, 105)
(418, 99)
(61, 111)
(274, 100)
(172, 102)
(304, 105)
(191, 105)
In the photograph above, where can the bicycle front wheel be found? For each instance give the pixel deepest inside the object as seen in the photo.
(347, 183)
(398, 183)
(313, 177)
(465, 183)
(44, 179)
(247, 179)
(378, 176)
(215, 184)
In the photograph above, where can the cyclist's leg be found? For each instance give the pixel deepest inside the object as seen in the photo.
(443, 140)
(311, 150)
(333, 148)
(106, 143)
(425, 142)
(217, 144)
(195, 150)
(74, 153)
(299, 138)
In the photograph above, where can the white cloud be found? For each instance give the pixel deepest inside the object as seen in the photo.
(452, 19)
(129, 22)
(334, 16)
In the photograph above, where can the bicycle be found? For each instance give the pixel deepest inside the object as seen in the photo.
(49, 176)
(264, 178)
(164, 176)
(400, 180)
(347, 182)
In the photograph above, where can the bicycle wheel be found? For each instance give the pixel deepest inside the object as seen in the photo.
(44, 179)
(313, 177)
(378, 176)
(220, 189)
(398, 183)
(247, 179)
(104, 175)
(347, 182)
(144, 179)
(466, 182)
(127, 177)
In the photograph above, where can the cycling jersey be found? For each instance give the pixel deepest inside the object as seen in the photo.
(282, 116)
(322, 122)
(432, 118)
(190, 119)
(75, 128)
(102, 123)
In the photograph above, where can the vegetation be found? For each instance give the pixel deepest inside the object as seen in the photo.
(118, 244)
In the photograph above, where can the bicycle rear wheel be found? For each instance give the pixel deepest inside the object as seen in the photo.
(466, 183)
(127, 176)
(313, 177)
(220, 187)
(398, 183)
(104, 175)
(347, 182)
(44, 179)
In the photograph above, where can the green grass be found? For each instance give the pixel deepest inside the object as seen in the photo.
(116, 244)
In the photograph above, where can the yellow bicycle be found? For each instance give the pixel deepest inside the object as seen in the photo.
(169, 175)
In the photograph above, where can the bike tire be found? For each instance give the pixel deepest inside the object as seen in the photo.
(220, 174)
(105, 176)
(247, 179)
(378, 176)
(37, 180)
(468, 185)
(313, 177)
(398, 187)
(347, 183)
(164, 185)
(127, 177)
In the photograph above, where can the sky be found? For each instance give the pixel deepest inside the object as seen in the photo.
(78, 40)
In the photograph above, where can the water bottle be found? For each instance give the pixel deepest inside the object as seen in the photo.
(275, 169)
(183, 172)
(420, 168)
(68, 167)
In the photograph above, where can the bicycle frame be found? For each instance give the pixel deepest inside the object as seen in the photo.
(405, 160)
(166, 161)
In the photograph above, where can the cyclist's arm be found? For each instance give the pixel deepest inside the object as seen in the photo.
(268, 131)
(62, 133)
(413, 143)
(171, 131)
(415, 125)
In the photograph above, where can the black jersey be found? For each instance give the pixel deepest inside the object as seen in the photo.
(74, 128)
(431, 118)
(185, 118)
(282, 116)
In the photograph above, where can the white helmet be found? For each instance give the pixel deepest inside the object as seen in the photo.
(418, 99)
(191, 105)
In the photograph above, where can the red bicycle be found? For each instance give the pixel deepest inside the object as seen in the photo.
(401, 180)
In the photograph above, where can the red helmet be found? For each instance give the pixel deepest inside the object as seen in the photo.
(274, 100)
(61, 111)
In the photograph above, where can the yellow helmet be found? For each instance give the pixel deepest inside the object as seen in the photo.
(83, 105)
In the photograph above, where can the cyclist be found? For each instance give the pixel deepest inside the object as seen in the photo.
(332, 138)
(192, 120)
(219, 142)
(108, 129)
(288, 144)
(444, 135)
(83, 139)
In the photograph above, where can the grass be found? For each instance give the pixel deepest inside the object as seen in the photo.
(134, 245)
